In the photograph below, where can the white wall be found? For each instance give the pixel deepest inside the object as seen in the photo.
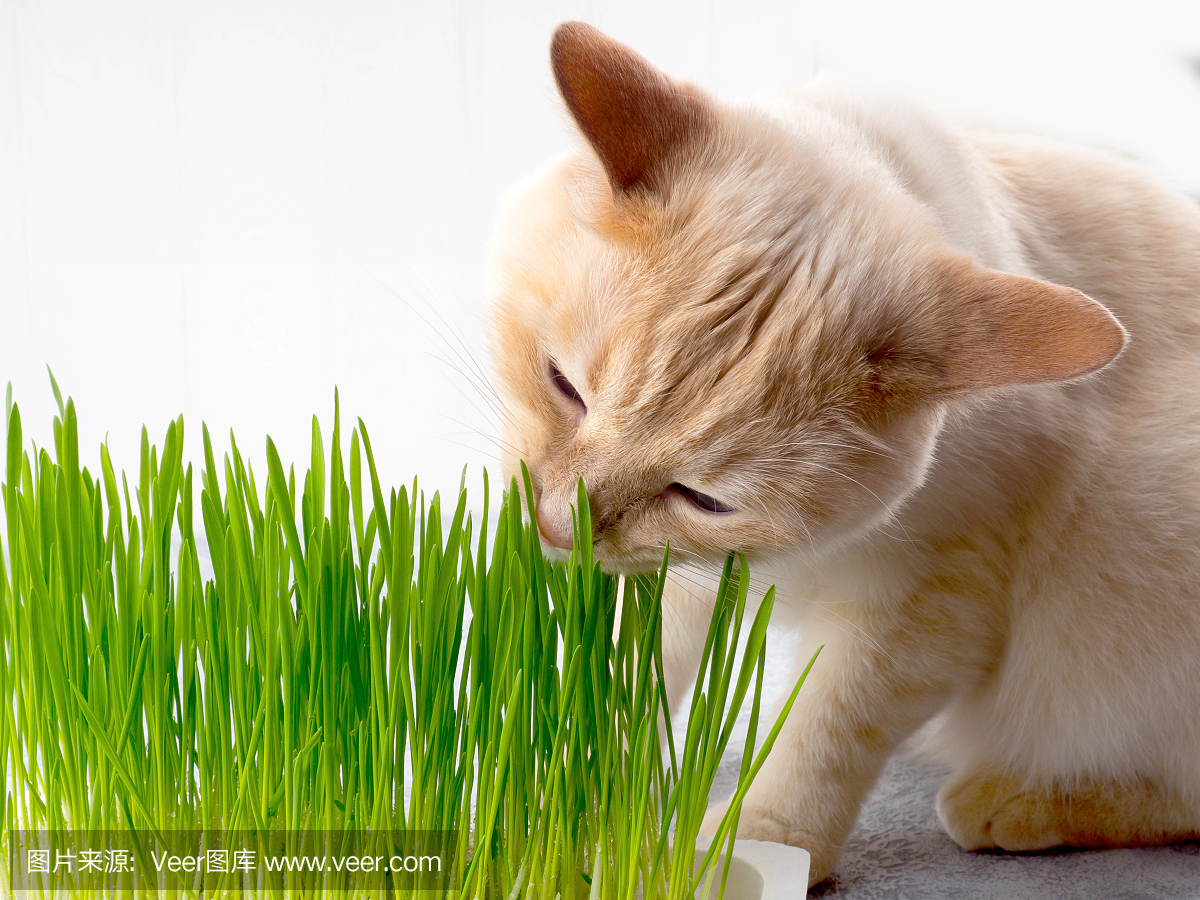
(226, 208)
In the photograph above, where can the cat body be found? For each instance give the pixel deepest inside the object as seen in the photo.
(941, 386)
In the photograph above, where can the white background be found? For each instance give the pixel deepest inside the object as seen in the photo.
(225, 209)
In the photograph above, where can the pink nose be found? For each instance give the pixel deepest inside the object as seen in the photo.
(553, 536)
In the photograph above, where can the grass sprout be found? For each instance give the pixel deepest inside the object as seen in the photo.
(361, 658)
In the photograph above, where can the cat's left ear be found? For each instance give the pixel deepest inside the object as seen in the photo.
(1003, 329)
(635, 117)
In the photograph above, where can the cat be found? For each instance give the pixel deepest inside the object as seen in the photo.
(941, 386)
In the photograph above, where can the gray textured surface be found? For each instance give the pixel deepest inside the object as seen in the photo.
(898, 851)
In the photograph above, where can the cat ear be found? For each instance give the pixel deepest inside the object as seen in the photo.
(1008, 329)
(633, 115)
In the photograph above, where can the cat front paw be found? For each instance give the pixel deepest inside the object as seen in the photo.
(762, 825)
(992, 809)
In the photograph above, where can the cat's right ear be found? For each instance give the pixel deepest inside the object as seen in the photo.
(635, 117)
(1007, 329)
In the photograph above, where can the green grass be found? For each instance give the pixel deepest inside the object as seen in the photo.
(361, 658)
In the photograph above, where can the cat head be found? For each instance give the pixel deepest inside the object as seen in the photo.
(742, 333)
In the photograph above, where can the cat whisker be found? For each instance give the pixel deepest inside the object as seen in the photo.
(880, 449)
(479, 379)
(907, 536)
(449, 440)
(707, 569)
(499, 411)
(495, 439)
(707, 592)
(797, 515)
(427, 292)
(492, 454)
(485, 390)
(854, 448)
(860, 634)
(465, 376)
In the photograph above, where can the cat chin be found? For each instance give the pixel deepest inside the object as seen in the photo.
(554, 554)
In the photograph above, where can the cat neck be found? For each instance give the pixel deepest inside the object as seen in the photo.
(934, 162)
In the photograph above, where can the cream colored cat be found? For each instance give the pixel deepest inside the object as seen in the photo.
(943, 387)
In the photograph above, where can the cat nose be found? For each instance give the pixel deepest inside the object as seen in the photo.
(553, 536)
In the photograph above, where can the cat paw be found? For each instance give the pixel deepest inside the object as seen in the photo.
(759, 825)
(990, 809)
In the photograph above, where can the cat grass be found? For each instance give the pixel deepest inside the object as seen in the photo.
(360, 661)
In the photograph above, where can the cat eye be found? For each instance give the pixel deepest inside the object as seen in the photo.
(703, 501)
(565, 387)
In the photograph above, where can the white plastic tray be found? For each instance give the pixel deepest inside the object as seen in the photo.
(761, 870)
